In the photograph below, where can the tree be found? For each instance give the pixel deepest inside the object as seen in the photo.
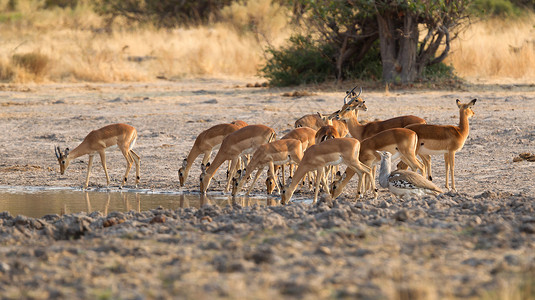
(404, 55)
(352, 27)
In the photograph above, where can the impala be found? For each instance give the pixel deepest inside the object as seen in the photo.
(306, 136)
(317, 157)
(444, 139)
(275, 153)
(239, 143)
(315, 121)
(205, 142)
(400, 141)
(122, 135)
(349, 113)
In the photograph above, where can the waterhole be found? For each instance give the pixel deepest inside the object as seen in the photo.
(36, 202)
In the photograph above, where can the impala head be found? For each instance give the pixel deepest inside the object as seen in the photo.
(335, 186)
(182, 172)
(62, 159)
(325, 118)
(352, 95)
(285, 192)
(466, 108)
(270, 185)
(239, 123)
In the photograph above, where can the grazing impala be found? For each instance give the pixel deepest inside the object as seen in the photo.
(122, 135)
(306, 136)
(205, 142)
(396, 140)
(241, 142)
(444, 139)
(315, 121)
(316, 158)
(275, 153)
(349, 113)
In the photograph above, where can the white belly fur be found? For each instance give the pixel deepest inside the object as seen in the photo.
(426, 151)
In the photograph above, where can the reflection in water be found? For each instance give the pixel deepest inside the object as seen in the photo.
(37, 202)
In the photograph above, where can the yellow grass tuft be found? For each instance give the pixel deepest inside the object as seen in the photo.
(496, 51)
(78, 48)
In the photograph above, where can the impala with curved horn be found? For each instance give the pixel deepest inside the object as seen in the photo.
(122, 135)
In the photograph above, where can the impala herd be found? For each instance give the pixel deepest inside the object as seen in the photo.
(316, 146)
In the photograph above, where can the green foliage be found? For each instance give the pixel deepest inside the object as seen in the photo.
(302, 61)
(61, 3)
(368, 68)
(494, 8)
(438, 72)
(162, 13)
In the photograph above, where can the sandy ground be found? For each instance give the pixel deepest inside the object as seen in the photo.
(457, 245)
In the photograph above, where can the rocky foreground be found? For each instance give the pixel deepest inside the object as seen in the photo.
(453, 246)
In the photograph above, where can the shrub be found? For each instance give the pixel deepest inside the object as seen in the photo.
(6, 71)
(302, 61)
(438, 72)
(61, 3)
(368, 68)
(495, 8)
(32, 62)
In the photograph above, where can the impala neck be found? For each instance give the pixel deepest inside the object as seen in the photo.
(384, 171)
(464, 126)
(77, 152)
(355, 128)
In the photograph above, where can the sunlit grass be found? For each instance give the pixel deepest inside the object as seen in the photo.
(79, 48)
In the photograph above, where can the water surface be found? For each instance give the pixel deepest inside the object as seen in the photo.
(36, 202)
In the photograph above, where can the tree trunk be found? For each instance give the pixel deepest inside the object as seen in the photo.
(398, 36)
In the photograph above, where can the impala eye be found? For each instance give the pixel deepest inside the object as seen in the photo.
(63, 162)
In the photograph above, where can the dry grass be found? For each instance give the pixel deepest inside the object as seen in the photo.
(77, 49)
(496, 51)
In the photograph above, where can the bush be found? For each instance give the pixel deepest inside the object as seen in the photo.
(438, 72)
(6, 71)
(495, 8)
(369, 68)
(301, 62)
(162, 13)
(61, 3)
(32, 62)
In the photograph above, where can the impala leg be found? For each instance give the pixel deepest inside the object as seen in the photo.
(272, 172)
(282, 171)
(89, 165)
(426, 159)
(452, 170)
(234, 166)
(447, 165)
(137, 160)
(103, 161)
(325, 184)
(257, 175)
(129, 161)
(319, 177)
(206, 157)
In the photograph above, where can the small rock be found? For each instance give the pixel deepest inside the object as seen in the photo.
(402, 215)
(323, 250)
(158, 219)
(527, 228)
(4, 268)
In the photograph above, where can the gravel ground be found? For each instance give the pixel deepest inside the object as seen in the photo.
(477, 243)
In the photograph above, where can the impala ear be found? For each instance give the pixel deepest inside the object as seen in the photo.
(472, 102)
(458, 103)
(66, 151)
(184, 163)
